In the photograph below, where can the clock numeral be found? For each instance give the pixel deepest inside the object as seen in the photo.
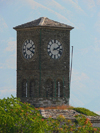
(24, 52)
(23, 49)
(52, 41)
(56, 56)
(33, 46)
(49, 46)
(28, 56)
(60, 49)
(48, 49)
(34, 49)
(49, 52)
(52, 56)
(59, 43)
(60, 52)
(56, 41)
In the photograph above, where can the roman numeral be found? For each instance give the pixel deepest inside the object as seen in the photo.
(56, 56)
(52, 56)
(49, 52)
(52, 41)
(60, 52)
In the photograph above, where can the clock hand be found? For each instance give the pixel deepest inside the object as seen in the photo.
(29, 48)
(56, 48)
(31, 51)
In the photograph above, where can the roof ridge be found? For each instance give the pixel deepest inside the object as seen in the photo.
(42, 21)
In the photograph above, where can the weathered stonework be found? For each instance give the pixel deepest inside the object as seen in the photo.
(41, 68)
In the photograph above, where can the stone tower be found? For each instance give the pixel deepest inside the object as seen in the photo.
(43, 62)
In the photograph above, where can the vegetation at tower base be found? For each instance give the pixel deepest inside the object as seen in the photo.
(18, 117)
(85, 111)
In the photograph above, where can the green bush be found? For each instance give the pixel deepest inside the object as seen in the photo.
(18, 117)
(85, 111)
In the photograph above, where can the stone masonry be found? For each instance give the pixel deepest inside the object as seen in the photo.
(41, 70)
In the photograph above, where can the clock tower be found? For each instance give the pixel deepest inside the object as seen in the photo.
(43, 62)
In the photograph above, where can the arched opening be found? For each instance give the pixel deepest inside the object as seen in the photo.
(24, 88)
(32, 92)
(59, 90)
(49, 88)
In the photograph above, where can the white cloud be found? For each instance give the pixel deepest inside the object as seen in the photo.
(11, 62)
(56, 4)
(35, 4)
(3, 25)
(98, 2)
(11, 46)
(6, 92)
(97, 24)
(75, 101)
(75, 5)
(76, 1)
(1, 65)
(89, 3)
(79, 78)
(97, 112)
(96, 46)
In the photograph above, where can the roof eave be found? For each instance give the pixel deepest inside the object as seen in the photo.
(65, 28)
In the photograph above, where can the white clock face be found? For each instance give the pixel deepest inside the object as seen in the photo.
(55, 49)
(28, 49)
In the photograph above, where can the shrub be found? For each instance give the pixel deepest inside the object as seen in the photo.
(85, 111)
(18, 117)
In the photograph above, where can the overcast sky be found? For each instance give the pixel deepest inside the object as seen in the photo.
(84, 16)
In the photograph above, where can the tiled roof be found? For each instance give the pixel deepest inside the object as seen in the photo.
(43, 22)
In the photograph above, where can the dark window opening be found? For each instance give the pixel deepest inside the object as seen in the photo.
(32, 89)
(49, 88)
(24, 88)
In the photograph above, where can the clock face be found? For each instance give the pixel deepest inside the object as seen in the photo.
(28, 49)
(55, 49)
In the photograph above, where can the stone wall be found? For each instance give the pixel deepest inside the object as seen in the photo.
(42, 67)
(69, 115)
